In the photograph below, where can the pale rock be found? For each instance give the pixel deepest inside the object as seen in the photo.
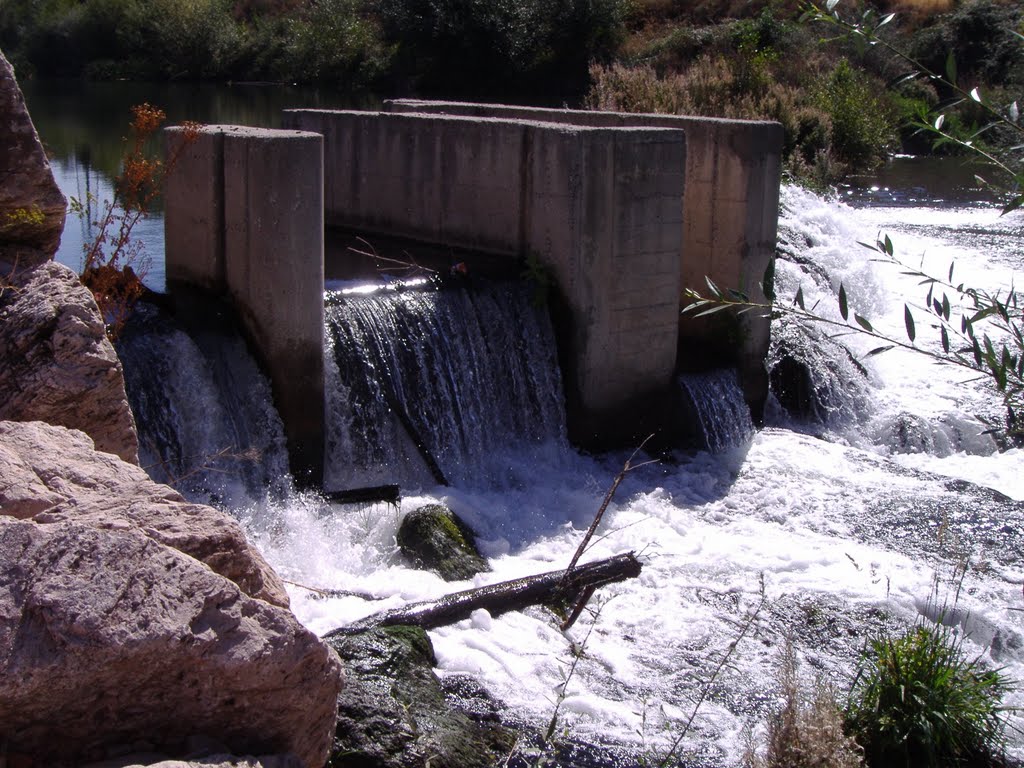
(32, 207)
(54, 475)
(108, 638)
(58, 365)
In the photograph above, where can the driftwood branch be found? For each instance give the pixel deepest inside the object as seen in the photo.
(505, 596)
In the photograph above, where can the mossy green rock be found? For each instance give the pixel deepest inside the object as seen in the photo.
(393, 713)
(434, 538)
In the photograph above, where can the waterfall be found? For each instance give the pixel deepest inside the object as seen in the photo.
(431, 385)
(722, 415)
(203, 410)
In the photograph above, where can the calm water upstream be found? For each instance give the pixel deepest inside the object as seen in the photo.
(875, 514)
(83, 126)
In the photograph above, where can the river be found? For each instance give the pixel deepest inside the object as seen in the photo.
(817, 533)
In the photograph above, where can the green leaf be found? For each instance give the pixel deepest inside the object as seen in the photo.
(863, 322)
(768, 280)
(888, 245)
(951, 68)
(950, 278)
(799, 298)
(714, 288)
(844, 308)
(1014, 204)
(739, 296)
(945, 307)
(908, 321)
(945, 339)
(880, 350)
(712, 310)
(977, 353)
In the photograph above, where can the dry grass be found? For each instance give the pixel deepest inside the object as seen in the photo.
(808, 730)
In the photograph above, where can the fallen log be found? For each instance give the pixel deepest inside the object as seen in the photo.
(554, 587)
(389, 494)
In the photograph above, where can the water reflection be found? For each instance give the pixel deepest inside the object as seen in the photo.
(83, 127)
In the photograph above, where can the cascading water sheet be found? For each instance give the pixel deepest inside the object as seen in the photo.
(722, 413)
(427, 385)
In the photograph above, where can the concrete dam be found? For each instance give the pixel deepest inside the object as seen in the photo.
(623, 211)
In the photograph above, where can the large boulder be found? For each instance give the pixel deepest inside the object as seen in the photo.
(54, 475)
(32, 207)
(111, 642)
(58, 365)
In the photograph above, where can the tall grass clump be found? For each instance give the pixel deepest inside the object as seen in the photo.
(920, 702)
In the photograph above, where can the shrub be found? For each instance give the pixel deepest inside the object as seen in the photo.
(180, 39)
(919, 702)
(863, 129)
(335, 42)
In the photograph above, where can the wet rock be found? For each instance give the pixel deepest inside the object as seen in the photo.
(436, 539)
(815, 378)
(109, 638)
(58, 365)
(393, 712)
(32, 207)
(54, 475)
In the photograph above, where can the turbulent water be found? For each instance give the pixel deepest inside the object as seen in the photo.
(849, 513)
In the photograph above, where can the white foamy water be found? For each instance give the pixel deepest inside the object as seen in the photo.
(827, 537)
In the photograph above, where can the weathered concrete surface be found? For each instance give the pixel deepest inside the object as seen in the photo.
(730, 216)
(600, 207)
(110, 639)
(58, 365)
(53, 475)
(194, 208)
(32, 207)
(255, 232)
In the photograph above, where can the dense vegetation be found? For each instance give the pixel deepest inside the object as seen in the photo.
(750, 59)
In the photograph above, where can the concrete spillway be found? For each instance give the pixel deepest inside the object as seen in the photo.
(623, 212)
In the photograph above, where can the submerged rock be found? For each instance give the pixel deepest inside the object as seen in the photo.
(393, 711)
(436, 539)
(58, 365)
(111, 642)
(814, 377)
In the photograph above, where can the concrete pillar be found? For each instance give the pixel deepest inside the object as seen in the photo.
(244, 217)
(605, 215)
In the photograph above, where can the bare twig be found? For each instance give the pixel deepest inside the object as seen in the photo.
(627, 467)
